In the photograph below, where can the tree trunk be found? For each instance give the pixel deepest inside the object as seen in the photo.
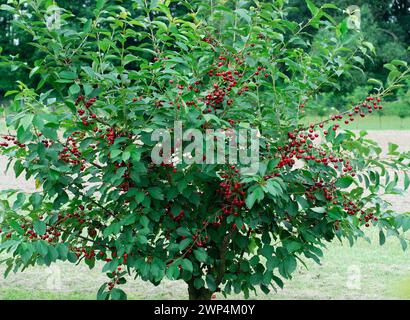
(198, 294)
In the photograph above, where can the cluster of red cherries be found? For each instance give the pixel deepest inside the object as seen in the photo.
(10, 140)
(51, 234)
(226, 73)
(352, 209)
(301, 145)
(70, 152)
(232, 193)
(87, 104)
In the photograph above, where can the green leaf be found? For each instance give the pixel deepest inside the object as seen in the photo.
(18, 168)
(33, 71)
(68, 75)
(244, 15)
(184, 244)
(49, 133)
(40, 227)
(375, 81)
(21, 198)
(272, 263)
(273, 187)
(110, 266)
(290, 264)
(372, 48)
(41, 248)
(181, 231)
(187, 265)
(344, 182)
(255, 195)
(199, 283)
(115, 153)
(8, 244)
(406, 181)
(36, 200)
(102, 294)
(403, 243)
(62, 250)
(399, 63)
(278, 281)
(10, 92)
(382, 237)
(126, 155)
(173, 271)
(141, 239)
(156, 193)
(118, 294)
(113, 228)
(74, 89)
(210, 282)
(292, 208)
(16, 227)
(302, 202)
(329, 6)
(293, 246)
(144, 221)
(201, 255)
(319, 209)
(99, 5)
(256, 278)
(153, 4)
(312, 8)
(6, 7)
(139, 196)
(393, 148)
(129, 219)
(71, 257)
(52, 254)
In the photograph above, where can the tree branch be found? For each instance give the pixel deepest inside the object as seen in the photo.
(222, 252)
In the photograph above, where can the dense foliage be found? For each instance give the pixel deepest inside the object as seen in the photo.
(84, 134)
(385, 23)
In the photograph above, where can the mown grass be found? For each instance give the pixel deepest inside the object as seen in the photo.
(365, 271)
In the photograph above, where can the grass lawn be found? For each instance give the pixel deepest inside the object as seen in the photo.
(373, 122)
(366, 271)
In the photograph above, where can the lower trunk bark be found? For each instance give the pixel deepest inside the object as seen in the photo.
(198, 294)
